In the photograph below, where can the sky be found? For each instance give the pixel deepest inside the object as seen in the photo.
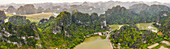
(70, 1)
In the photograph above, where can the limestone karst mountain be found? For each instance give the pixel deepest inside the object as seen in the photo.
(40, 10)
(11, 9)
(2, 15)
(26, 9)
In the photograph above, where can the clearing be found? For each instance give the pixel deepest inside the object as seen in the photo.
(37, 17)
(147, 26)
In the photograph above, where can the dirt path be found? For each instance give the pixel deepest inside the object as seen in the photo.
(108, 35)
(154, 45)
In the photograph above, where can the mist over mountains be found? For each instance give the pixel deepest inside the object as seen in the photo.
(85, 7)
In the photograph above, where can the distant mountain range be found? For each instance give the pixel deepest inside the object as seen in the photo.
(85, 7)
(109, 3)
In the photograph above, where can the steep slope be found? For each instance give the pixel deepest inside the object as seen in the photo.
(18, 20)
(120, 15)
(71, 28)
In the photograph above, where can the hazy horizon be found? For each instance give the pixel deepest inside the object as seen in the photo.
(61, 1)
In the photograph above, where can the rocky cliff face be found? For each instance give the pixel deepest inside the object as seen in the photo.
(2, 15)
(19, 35)
(26, 9)
(11, 9)
(66, 20)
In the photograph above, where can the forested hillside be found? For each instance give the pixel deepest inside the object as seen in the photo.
(164, 24)
(138, 13)
(69, 29)
(65, 31)
(18, 20)
(132, 37)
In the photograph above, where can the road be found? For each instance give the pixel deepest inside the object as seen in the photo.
(108, 35)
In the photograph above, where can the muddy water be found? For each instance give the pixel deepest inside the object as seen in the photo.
(94, 43)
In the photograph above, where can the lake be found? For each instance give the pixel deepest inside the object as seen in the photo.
(94, 43)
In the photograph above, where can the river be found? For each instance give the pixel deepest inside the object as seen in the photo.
(94, 43)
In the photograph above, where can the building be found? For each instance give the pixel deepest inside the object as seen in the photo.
(100, 33)
(160, 33)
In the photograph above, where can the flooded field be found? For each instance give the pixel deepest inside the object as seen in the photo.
(94, 43)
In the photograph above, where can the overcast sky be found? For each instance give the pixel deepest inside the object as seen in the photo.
(60, 1)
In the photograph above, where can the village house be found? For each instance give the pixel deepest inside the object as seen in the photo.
(100, 33)
(159, 33)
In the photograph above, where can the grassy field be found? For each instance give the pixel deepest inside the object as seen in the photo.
(8, 15)
(141, 26)
(115, 26)
(147, 26)
(37, 17)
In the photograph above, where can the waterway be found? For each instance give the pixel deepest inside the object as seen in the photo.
(95, 42)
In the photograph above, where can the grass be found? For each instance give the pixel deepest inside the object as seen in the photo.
(103, 37)
(40, 15)
(34, 19)
(8, 15)
(115, 27)
(141, 26)
(147, 26)
(37, 17)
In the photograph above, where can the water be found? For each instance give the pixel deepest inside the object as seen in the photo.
(94, 43)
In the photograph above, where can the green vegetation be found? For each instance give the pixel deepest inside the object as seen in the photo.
(147, 26)
(164, 24)
(115, 27)
(133, 28)
(8, 15)
(37, 17)
(18, 20)
(132, 37)
(21, 35)
(136, 14)
(121, 15)
(64, 30)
